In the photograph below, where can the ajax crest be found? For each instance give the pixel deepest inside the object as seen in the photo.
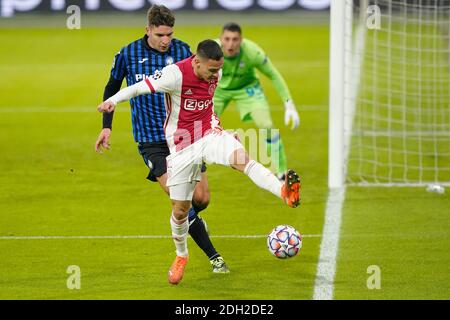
(212, 88)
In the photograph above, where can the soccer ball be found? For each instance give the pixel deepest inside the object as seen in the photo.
(284, 241)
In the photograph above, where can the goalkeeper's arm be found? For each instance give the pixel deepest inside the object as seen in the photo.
(269, 70)
(291, 114)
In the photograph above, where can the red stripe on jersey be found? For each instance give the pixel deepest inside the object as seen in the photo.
(168, 109)
(147, 81)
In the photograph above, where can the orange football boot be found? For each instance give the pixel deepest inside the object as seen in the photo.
(176, 271)
(290, 191)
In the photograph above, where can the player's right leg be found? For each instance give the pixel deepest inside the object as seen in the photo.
(223, 148)
(288, 191)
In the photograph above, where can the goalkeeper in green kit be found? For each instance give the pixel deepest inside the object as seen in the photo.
(240, 83)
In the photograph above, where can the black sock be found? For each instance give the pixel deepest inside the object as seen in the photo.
(198, 233)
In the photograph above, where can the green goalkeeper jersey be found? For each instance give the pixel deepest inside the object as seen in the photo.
(240, 71)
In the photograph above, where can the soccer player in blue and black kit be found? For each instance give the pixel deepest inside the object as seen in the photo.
(134, 62)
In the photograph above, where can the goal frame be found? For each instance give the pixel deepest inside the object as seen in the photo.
(344, 76)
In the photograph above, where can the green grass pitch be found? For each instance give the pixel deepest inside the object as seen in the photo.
(52, 183)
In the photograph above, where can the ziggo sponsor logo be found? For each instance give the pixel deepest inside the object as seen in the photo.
(192, 104)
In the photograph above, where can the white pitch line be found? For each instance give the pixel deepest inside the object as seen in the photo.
(326, 268)
(138, 237)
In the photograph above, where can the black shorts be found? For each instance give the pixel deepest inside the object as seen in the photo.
(154, 155)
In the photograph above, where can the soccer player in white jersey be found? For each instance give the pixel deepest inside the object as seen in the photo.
(194, 135)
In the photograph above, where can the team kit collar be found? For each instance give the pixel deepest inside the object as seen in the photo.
(146, 45)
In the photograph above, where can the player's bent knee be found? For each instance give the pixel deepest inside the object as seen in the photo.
(201, 202)
(180, 209)
(201, 198)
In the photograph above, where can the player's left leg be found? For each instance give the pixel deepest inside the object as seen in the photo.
(197, 227)
(180, 227)
(179, 220)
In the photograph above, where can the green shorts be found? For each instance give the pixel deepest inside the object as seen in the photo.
(247, 100)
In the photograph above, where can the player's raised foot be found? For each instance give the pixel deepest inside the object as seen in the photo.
(219, 266)
(290, 191)
(176, 271)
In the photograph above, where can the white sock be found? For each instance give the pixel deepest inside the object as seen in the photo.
(263, 177)
(180, 230)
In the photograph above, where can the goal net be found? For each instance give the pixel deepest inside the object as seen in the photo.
(395, 100)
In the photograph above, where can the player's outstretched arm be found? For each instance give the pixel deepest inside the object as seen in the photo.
(135, 90)
(167, 80)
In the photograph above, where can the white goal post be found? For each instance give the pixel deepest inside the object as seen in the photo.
(389, 118)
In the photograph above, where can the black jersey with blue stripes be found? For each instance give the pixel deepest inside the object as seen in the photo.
(135, 62)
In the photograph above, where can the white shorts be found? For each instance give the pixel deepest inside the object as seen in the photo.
(184, 167)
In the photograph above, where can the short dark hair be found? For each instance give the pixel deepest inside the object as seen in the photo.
(233, 27)
(159, 15)
(209, 49)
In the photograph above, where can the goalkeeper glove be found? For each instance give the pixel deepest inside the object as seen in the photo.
(291, 114)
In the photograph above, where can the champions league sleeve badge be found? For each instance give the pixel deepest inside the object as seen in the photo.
(169, 60)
